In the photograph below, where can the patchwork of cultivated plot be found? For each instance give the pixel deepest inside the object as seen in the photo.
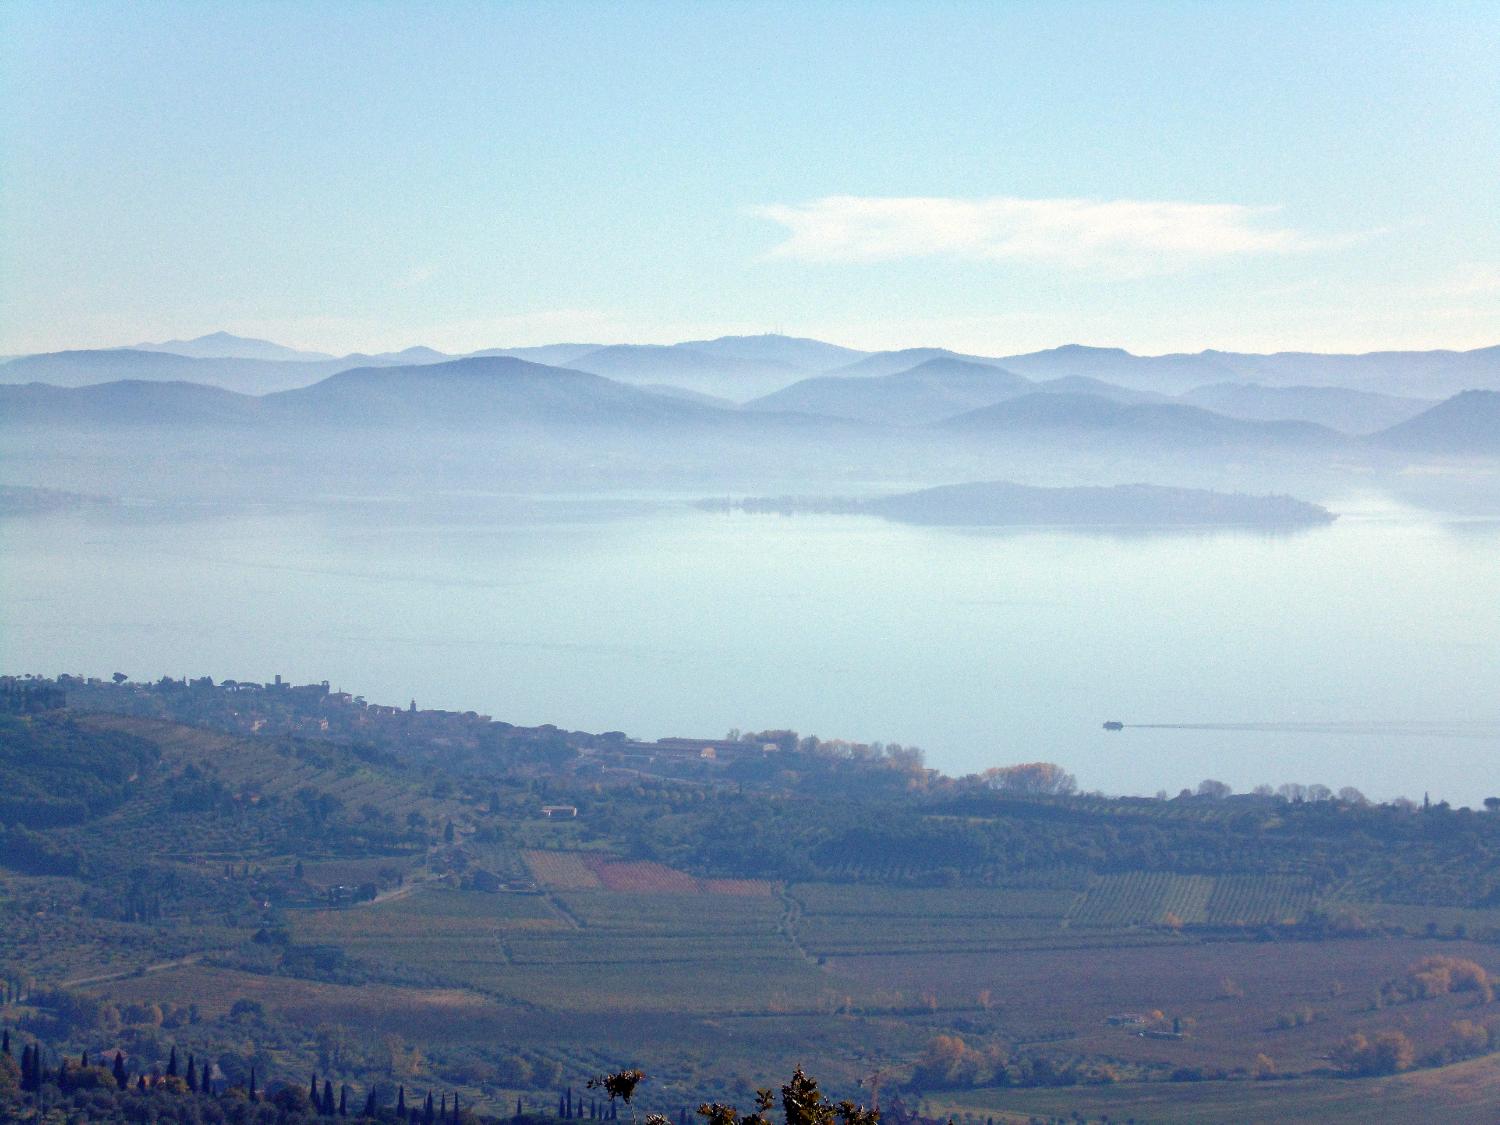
(1236, 999)
(850, 920)
(673, 913)
(664, 952)
(932, 902)
(561, 871)
(1463, 1093)
(748, 888)
(1153, 898)
(435, 1012)
(643, 878)
(1255, 900)
(450, 935)
(582, 871)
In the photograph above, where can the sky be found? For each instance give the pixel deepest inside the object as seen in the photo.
(995, 178)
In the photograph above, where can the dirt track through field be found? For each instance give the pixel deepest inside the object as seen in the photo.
(159, 967)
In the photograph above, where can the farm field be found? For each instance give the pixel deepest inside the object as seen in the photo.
(1464, 1093)
(521, 952)
(584, 871)
(665, 952)
(381, 1008)
(1229, 995)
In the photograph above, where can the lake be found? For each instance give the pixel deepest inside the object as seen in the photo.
(1365, 653)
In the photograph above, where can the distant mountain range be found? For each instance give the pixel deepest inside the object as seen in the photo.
(1044, 394)
(1044, 414)
(222, 345)
(932, 402)
(746, 367)
(934, 388)
(1467, 424)
(464, 394)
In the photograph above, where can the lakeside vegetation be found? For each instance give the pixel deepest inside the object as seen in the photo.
(291, 880)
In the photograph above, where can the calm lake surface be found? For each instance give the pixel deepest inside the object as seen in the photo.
(1366, 653)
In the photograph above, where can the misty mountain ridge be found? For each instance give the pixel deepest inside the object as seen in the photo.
(126, 403)
(706, 372)
(226, 345)
(107, 365)
(1350, 411)
(494, 391)
(1468, 424)
(746, 367)
(1041, 414)
(477, 392)
(788, 351)
(934, 389)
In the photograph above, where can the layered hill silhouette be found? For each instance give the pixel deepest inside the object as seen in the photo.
(128, 402)
(936, 388)
(746, 367)
(707, 372)
(1351, 411)
(1081, 415)
(936, 396)
(225, 345)
(1467, 424)
(479, 392)
(1041, 396)
(108, 365)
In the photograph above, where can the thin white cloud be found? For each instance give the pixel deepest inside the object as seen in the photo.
(1120, 236)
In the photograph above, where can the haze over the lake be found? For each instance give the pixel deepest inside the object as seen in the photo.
(415, 350)
(982, 646)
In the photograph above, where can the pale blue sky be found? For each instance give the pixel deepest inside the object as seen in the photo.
(994, 178)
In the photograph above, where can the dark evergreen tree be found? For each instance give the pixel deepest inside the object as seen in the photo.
(401, 1102)
(370, 1103)
(327, 1098)
(83, 1059)
(172, 1064)
(312, 1092)
(121, 1078)
(456, 1118)
(140, 1083)
(192, 1073)
(343, 1100)
(429, 1115)
(5, 1044)
(252, 1083)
